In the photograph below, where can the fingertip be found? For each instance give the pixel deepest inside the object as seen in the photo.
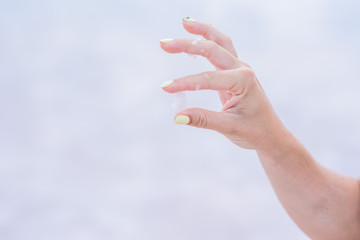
(166, 84)
(170, 86)
(166, 40)
(182, 119)
(167, 43)
(189, 20)
(168, 89)
(170, 47)
(197, 28)
(189, 24)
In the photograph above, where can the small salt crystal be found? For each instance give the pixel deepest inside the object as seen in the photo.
(180, 101)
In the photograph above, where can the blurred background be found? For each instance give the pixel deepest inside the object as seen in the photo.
(88, 148)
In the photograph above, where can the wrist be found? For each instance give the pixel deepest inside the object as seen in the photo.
(281, 144)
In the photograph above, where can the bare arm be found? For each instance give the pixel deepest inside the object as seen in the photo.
(323, 204)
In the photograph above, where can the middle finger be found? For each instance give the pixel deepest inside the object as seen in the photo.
(217, 55)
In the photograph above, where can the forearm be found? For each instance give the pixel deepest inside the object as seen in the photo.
(325, 205)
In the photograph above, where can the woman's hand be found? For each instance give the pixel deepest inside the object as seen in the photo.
(247, 117)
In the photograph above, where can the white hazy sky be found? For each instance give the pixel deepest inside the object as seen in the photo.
(88, 149)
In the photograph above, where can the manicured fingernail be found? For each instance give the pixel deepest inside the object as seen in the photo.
(189, 19)
(166, 84)
(182, 119)
(166, 40)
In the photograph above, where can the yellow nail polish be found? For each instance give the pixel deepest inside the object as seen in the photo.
(166, 84)
(166, 40)
(182, 119)
(189, 19)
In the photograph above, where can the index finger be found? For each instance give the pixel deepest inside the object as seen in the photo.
(233, 80)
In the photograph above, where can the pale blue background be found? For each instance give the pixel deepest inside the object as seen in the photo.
(88, 149)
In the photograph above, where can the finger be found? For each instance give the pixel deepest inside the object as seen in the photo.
(221, 80)
(208, 31)
(217, 55)
(203, 118)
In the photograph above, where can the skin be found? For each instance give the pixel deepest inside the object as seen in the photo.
(324, 204)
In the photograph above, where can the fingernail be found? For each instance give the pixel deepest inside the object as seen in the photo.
(166, 84)
(211, 23)
(166, 40)
(189, 19)
(182, 119)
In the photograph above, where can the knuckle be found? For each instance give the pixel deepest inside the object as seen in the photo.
(209, 78)
(207, 75)
(202, 121)
(212, 45)
(227, 40)
(245, 78)
(210, 33)
(210, 48)
(247, 75)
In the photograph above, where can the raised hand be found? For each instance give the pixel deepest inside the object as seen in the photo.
(247, 117)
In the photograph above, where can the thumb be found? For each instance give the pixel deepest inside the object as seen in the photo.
(202, 118)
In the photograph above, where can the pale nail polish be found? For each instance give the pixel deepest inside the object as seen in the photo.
(166, 84)
(189, 19)
(166, 40)
(182, 119)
